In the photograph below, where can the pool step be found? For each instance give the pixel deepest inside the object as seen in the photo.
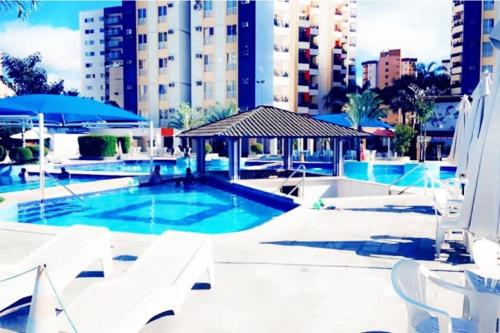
(33, 213)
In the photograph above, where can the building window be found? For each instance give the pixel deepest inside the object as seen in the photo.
(488, 4)
(102, 41)
(88, 87)
(90, 76)
(487, 49)
(88, 65)
(142, 67)
(162, 13)
(162, 92)
(141, 16)
(231, 33)
(89, 20)
(89, 42)
(162, 40)
(89, 54)
(208, 35)
(143, 93)
(208, 90)
(89, 31)
(207, 8)
(231, 6)
(488, 26)
(208, 62)
(143, 40)
(231, 61)
(487, 68)
(231, 89)
(162, 65)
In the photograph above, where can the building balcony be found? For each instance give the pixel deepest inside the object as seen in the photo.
(303, 88)
(457, 29)
(141, 46)
(280, 74)
(162, 70)
(143, 98)
(281, 24)
(113, 20)
(162, 45)
(114, 56)
(304, 45)
(162, 19)
(280, 99)
(456, 50)
(113, 32)
(162, 97)
(282, 48)
(231, 39)
(314, 30)
(314, 71)
(303, 109)
(142, 72)
(231, 67)
(304, 17)
(141, 21)
(458, 9)
(114, 44)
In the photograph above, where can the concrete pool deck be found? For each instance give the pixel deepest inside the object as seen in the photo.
(305, 271)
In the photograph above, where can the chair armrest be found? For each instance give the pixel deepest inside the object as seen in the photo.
(451, 286)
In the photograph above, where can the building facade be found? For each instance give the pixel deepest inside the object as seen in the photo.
(370, 73)
(471, 51)
(286, 53)
(408, 66)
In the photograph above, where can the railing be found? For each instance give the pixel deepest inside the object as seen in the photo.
(403, 177)
(300, 183)
(67, 188)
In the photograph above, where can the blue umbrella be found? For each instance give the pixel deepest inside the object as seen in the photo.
(62, 110)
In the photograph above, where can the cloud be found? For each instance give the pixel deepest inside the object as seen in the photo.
(421, 29)
(59, 47)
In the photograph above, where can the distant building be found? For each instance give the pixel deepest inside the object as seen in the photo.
(471, 51)
(408, 66)
(370, 73)
(446, 64)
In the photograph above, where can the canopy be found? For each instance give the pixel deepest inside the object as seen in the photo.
(62, 110)
(342, 120)
(383, 132)
(32, 134)
(464, 110)
(481, 208)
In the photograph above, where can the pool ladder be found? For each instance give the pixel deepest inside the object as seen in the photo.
(66, 187)
(407, 174)
(301, 183)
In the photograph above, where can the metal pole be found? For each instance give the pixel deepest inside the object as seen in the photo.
(341, 158)
(23, 137)
(151, 134)
(41, 155)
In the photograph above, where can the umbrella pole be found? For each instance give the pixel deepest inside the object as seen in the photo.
(151, 144)
(41, 155)
(24, 139)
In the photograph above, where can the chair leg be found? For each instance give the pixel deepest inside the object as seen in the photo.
(440, 233)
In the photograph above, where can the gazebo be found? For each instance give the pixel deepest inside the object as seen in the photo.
(269, 122)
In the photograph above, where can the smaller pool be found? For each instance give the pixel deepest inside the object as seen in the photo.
(12, 183)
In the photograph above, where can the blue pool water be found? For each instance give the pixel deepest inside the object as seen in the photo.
(13, 183)
(167, 167)
(151, 210)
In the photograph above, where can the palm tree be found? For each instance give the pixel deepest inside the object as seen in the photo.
(23, 7)
(219, 112)
(363, 106)
(337, 96)
(186, 118)
(432, 77)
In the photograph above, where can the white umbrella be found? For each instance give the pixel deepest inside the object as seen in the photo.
(42, 316)
(481, 207)
(31, 134)
(459, 136)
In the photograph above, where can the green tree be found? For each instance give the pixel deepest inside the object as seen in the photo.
(219, 112)
(186, 118)
(424, 105)
(25, 76)
(23, 7)
(363, 106)
(337, 96)
(403, 135)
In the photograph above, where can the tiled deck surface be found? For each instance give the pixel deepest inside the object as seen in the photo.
(306, 271)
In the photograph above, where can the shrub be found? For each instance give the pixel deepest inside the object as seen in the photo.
(208, 148)
(20, 154)
(125, 143)
(256, 148)
(402, 138)
(3, 153)
(97, 146)
(35, 150)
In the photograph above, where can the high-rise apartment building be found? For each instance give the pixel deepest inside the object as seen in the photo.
(101, 42)
(387, 69)
(471, 50)
(288, 53)
(370, 73)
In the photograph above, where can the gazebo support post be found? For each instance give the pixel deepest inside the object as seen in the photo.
(334, 144)
(341, 158)
(200, 156)
(41, 155)
(287, 153)
(234, 158)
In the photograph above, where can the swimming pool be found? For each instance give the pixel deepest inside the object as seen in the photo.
(150, 210)
(13, 183)
(168, 168)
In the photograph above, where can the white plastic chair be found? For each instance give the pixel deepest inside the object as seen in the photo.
(409, 280)
(486, 255)
(447, 224)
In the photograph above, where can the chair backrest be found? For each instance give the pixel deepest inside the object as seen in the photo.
(485, 254)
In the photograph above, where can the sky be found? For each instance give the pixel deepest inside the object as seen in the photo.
(420, 28)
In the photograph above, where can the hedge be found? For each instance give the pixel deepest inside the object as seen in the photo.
(97, 146)
(125, 143)
(20, 154)
(3, 153)
(256, 148)
(35, 150)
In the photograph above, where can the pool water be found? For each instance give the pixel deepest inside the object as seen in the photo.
(150, 210)
(168, 168)
(12, 183)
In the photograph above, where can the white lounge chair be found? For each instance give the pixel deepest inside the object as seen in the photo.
(409, 280)
(65, 255)
(486, 255)
(158, 282)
